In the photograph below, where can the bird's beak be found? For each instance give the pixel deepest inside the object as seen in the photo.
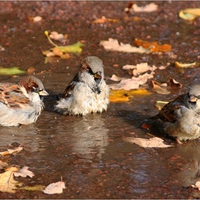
(43, 93)
(193, 99)
(97, 76)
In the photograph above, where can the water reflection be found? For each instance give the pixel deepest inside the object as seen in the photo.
(23, 135)
(90, 137)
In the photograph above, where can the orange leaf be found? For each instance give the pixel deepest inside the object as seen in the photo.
(153, 46)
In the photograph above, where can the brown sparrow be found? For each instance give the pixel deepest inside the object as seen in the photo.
(20, 103)
(87, 92)
(181, 117)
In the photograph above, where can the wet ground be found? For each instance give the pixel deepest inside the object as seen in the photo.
(89, 152)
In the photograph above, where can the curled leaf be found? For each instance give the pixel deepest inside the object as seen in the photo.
(161, 104)
(189, 14)
(159, 88)
(186, 65)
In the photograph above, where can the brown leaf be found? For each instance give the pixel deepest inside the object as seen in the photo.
(158, 88)
(153, 46)
(173, 83)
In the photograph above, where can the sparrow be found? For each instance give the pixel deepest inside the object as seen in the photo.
(87, 92)
(181, 117)
(21, 103)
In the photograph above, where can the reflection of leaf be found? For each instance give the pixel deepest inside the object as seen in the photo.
(186, 65)
(153, 46)
(55, 188)
(189, 14)
(11, 71)
(7, 182)
(154, 142)
(124, 95)
(113, 45)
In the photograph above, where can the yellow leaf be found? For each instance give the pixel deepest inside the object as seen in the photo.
(189, 14)
(185, 65)
(125, 95)
(33, 188)
(74, 48)
(11, 151)
(161, 104)
(11, 71)
(7, 182)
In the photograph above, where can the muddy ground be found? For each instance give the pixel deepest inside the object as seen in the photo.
(89, 153)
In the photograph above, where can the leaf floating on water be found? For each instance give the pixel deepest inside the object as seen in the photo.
(62, 51)
(11, 151)
(124, 95)
(103, 20)
(153, 46)
(24, 172)
(113, 45)
(11, 71)
(160, 88)
(132, 7)
(161, 104)
(7, 182)
(33, 188)
(189, 14)
(58, 36)
(173, 83)
(154, 142)
(186, 65)
(55, 188)
(196, 185)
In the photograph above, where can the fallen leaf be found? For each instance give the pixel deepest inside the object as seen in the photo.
(11, 151)
(173, 83)
(153, 46)
(154, 142)
(30, 70)
(11, 71)
(124, 95)
(37, 19)
(33, 188)
(55, 188)
(189, 14)
(24, 172)
(159, 88)
(147, 8)
(113, 45)
(7, 182)
(161, 104)
(62, 51)
(115, 78)
(139, 68)
(196, 185)
(58, 36)
(132, 83)
(103, 20)
(186, 65)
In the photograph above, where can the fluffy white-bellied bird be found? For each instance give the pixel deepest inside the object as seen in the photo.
(20, 103)
(181, 117)
(87, 92)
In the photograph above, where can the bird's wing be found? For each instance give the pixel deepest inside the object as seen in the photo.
(68, 91)
(12, 96)
(168, 112)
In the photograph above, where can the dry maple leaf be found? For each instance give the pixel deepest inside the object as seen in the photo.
(11, 151)
(55, 188)
(114, 45)
(24, 172)
(154, 142)
(7, 182)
